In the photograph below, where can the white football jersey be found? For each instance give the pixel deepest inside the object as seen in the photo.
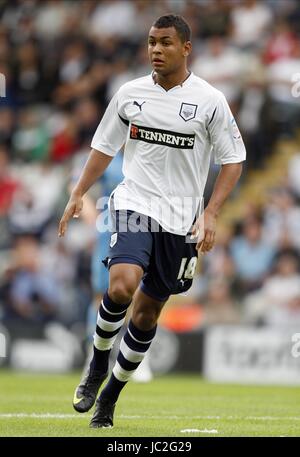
(169, 137)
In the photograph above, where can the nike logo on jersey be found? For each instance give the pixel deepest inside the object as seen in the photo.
(162, 137)
(139, 105)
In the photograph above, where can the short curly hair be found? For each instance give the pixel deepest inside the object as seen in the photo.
(172, 20)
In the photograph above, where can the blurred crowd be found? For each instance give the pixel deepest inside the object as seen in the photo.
(62, 62)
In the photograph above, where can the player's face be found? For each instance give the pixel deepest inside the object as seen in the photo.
(166, 51)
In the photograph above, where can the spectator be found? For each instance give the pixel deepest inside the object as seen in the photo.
(293, 174)
(278, 302)
(28, 82)
(218, 263)
(113, 18)
(282, 219)
(33, 294)
(87, 115)
(221, 65)
(8, 184)
(4, 44)
(51, 17)
(30, 141)
(215, 18)
(252, 255)
(285, 106)
(74, 61)
(34, 207)
(250, 23)
(64, 140)
(280, 44)
(6, 125)
(220, 306)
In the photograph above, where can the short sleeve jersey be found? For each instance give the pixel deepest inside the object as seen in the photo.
(169, 136)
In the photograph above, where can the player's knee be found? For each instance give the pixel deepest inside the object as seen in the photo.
(123, 282)
(121, 291)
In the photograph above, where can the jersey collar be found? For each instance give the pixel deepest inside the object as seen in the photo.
(184, 83)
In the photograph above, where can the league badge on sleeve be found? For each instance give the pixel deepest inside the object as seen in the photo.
(235, 130)
(187, 111)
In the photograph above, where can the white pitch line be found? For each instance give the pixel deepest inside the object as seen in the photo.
(124, 416)
(263, 418)
(39, 416)
(196, 430)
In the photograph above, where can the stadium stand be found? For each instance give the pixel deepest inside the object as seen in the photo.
(62, 62)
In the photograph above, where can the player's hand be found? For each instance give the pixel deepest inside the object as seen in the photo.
(205, 231)
(73, 209)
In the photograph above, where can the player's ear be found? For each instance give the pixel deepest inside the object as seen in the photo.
(187, 48)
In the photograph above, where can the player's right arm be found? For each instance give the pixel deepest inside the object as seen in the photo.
(107, 141)
(94, 168)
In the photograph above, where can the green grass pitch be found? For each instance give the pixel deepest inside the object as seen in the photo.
(40, 405)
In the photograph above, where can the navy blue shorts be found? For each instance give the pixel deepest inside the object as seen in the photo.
(168, 261)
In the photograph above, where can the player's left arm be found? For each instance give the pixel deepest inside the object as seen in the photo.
(229, 152)
(225, 183)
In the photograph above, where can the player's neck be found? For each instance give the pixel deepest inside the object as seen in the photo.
(171, 80)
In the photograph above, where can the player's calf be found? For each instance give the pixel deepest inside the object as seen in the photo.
(110, 319)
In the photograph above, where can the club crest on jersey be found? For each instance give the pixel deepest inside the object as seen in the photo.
(187, 111)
